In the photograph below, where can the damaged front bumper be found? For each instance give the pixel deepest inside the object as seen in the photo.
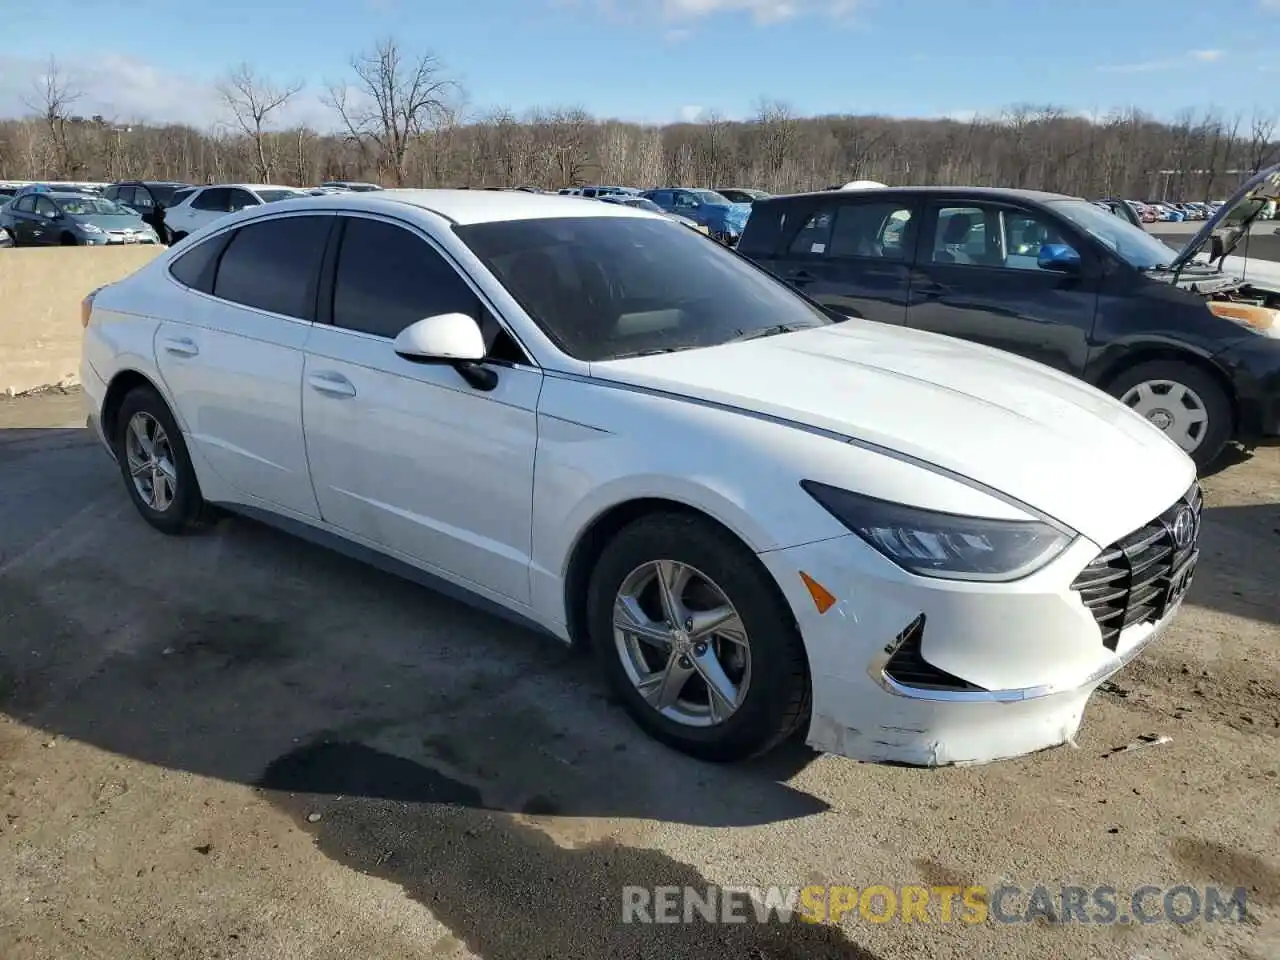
(911, 671)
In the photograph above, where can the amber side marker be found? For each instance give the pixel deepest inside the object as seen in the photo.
(822, 598)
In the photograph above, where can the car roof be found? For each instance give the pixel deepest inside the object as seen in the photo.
(485, 206)
(976, 193)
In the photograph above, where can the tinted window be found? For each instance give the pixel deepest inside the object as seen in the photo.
(274, 265)
(388, 278)
(45, 207)
(872, 230)
(961, 236)
(111, 192)
(605, 287)
(196, 267)
(164, 193)
(1024, 235)
(25, 204)
(179, 196)
(142, 199)
(214, 198)
(239, 199)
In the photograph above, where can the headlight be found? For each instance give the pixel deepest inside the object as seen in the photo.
(944, 545)
(90, 228)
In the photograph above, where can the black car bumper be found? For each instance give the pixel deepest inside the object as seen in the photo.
(1254, 368)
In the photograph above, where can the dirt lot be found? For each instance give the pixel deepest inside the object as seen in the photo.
(237, 745)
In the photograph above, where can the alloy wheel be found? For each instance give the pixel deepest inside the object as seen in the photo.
(151, 462)
(682, 643)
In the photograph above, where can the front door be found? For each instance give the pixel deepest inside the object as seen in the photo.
(409, 455)
(851, 254)
(234, 362)
(976, 277)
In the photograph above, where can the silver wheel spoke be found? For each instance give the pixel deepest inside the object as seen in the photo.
(721, 619)
(138, 427)
(662, 689)
(721, 692)
(628, 616)
(672, 578)
(138, 466)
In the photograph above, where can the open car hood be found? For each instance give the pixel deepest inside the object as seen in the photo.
(1234, 217)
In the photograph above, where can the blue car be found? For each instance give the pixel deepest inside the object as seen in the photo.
(723, 219)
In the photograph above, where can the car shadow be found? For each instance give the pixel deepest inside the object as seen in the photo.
(415, 738)
(1239, 557)
(223, 652)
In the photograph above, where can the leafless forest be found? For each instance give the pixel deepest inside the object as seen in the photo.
(400, 120)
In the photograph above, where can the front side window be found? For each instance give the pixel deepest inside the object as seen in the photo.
(388, 278)
(607, 287)
(45, 207)
(274, 265)
(238, 199)
(142, 199)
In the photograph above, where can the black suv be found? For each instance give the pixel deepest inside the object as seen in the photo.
(1183, 341)
(149, 198)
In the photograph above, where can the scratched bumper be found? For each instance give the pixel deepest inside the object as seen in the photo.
(1025, 657)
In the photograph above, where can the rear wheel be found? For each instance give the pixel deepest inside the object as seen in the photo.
(155, 464)
(695, 639)
(1187, 403)
(69, 240)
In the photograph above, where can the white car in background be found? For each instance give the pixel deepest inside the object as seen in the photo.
(764, 518)
(200, 206)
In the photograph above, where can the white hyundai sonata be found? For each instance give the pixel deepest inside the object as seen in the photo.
(765, 519)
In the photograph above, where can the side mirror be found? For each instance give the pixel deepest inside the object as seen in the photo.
(452, 338)
(1059, 257)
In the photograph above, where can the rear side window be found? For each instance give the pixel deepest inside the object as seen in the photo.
(214, 198)
(196, 267)
(274, 265)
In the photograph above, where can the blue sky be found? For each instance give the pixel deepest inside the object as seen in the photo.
(661, 60)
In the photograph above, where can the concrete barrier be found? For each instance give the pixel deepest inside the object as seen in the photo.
(40, 294)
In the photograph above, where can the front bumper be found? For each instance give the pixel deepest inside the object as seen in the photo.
(1253, 365)
(992, 671)
(116, 240)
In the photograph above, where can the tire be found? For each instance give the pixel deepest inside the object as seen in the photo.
(1201, 390)
(68, 240)
(184, 510)
(775, 700)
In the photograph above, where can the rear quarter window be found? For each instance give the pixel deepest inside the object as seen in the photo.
(197, 267)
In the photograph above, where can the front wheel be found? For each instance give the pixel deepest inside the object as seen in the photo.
(694, 637)
(1187, 403)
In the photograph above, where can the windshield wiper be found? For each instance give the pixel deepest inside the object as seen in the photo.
(644, 353)
(772, 331)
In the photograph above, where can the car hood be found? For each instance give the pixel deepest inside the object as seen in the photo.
(113, 221)
(1014, 426)
(1234, 216)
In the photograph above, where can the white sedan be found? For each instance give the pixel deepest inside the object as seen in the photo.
(765, 519)
(197, 207)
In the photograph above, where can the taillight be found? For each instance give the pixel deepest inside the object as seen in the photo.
(86, 308)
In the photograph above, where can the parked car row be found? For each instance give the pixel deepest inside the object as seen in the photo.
(764, 516)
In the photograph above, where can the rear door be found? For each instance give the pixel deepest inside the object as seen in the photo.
(233, 362)
(976, 277)
(852, 254)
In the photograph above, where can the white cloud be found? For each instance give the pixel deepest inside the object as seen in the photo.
(125, 89)
(677, 35)
(1165, 63)
(690, 114)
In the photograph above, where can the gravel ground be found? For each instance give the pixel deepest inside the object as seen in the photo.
(238, 745)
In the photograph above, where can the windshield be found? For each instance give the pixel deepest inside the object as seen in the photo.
(271, 196)
(92, 207)
(607, 287)
(1131, 244)
(709, 196)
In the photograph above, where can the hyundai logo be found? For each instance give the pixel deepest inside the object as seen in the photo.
(1184, 528)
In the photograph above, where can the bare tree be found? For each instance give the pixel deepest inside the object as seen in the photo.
(1262, 145)
(53, 95)
(252, 99)
(395, 101)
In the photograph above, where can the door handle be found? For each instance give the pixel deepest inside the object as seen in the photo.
(333, 384)
(182, 346)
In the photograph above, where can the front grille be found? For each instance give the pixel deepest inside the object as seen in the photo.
(908, 666)
(1128, 583)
